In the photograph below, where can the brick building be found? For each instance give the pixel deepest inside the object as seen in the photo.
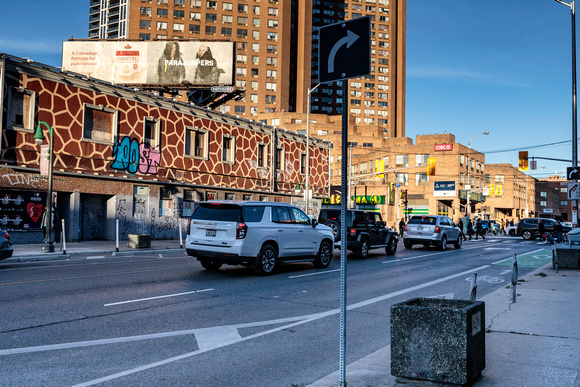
(121, 154)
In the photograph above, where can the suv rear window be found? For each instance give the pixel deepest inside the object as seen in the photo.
(422, 220)
(228, 212)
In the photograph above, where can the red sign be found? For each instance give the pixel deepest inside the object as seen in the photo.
(443, 147)
(44, 159)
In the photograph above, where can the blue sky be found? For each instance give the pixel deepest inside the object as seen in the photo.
(502, 66)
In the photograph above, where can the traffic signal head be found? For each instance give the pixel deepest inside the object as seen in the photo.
(431, 166)
(523, 164)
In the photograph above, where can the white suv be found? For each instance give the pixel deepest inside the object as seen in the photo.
(256, 234)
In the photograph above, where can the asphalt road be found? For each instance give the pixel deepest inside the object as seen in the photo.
(162, 320)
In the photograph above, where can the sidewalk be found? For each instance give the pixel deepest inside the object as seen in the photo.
(33, 252)
(534, 342)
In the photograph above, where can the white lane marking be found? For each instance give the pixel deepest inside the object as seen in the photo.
(157, 297)
(298, 321)
(317, 273)
(96, 257)
(430, 254)
(160, 255)
(210, 337)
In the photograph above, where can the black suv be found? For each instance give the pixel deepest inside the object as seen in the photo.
(528, 228)
(366, 231)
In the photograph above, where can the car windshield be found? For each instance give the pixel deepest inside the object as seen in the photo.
(485, 222)
(423, 220)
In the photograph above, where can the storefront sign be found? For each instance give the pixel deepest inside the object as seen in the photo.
(443, 147)
(444, 188)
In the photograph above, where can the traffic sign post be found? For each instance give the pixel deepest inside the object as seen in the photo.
(344, 52)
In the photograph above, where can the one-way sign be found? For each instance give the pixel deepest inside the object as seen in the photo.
(345, 50)
(573, 173)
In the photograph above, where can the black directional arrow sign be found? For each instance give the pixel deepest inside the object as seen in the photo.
(345, 50)
(573, 173)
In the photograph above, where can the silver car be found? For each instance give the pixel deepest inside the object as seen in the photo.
(432, 230)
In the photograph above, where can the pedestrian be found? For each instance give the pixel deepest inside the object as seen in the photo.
(559, 229)
(542, 231)
(401, 226)
(479, 230)
(460, 227)
(469, 228)
(502, 227)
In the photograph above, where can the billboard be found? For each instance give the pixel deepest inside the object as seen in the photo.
(152, 63)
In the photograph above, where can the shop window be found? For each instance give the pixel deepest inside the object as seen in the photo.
(165, 202)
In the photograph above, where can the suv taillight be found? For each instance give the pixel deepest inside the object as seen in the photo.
(241, 230)
(352, 232)
(189, 227)
(437, 229)
(6, 235)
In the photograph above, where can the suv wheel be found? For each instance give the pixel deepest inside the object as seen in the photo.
(444, 243)
(324, 255)
(527, 235)
(363, 250)
(459, 242)
(512, 233)
(335, 227)
(408, 245)
(266, 260)
(391, 248)
(208, 264)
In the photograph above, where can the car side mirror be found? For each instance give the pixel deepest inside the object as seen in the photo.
(314, 223)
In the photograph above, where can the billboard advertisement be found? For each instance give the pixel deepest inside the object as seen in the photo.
(152, 63)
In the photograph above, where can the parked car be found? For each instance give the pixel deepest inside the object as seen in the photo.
(511, 230)
(366, 231)
(5, 245)
(259, 235)
(431, 230)
(528, 228)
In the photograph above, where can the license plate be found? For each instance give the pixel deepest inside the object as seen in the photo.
(210, 233)
(419, 228)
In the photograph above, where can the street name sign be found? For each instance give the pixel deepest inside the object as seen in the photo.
(345, 50)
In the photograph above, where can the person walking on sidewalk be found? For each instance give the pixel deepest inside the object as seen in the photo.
(479, 230)
(469, 228)
(559, 230)
(502, 230)
(401, 226)
(542, 231)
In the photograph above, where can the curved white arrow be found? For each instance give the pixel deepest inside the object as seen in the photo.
(349, 39)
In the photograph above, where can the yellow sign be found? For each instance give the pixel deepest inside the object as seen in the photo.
(380, 167)
(499, 190)
(431, 166)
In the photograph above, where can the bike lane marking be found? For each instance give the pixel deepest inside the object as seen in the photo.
(533, 259)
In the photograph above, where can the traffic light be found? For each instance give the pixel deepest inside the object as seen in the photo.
(431, 166)
(523, 165)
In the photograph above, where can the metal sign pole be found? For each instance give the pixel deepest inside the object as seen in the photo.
(343, 207)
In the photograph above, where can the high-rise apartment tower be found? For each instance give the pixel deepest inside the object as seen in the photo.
(277, 49)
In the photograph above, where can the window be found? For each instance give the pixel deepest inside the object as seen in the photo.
(255, 47)
(271, 73)
(240, 109)
(189, 199)
(243, 8)
(271, 48)
(226, 31)
(564, 202)
(543, 194)
(178, 14)
(543, 203)
(228, 6)
(162, 12)
(254, 98)
(211, 17)
(270, 98)
(256, 22)
(228, 149)
(242, 33)
(262, 155)
(243, 20)
(196, 142)
(421, 159)
(99, 123)
(21, 106)
(179, 2)
(151, 131)
(403, 178)
(161, 25)
(256, 9)
(421, 178)
(145, 24)
(195, 16)
(144, 36)
(303, 163)
(194, 29)
(499, 179)
(402, 160)
(146, 11)
(256, 35)
(272, 11)
(227, 19)
(254, 72)
(211, 4)
(272, 23)
(165, 202)
(210, 30)
(178, 27)
(271, 61)
(280, 158)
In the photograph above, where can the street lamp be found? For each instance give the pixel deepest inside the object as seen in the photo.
(307, 183)
(468, 168)
(574, 106)
(39, 139)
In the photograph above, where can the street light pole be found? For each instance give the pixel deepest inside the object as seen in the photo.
(39, 139)
(307, 184)
(468, 207)
(574, 106)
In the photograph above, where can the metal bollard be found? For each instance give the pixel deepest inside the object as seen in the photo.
(117, 235)
(473, 290)
(180, 236)
(555, 260)
(63, 239)
(514, 276)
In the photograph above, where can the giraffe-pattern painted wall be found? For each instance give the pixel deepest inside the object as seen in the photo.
(60, 102)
